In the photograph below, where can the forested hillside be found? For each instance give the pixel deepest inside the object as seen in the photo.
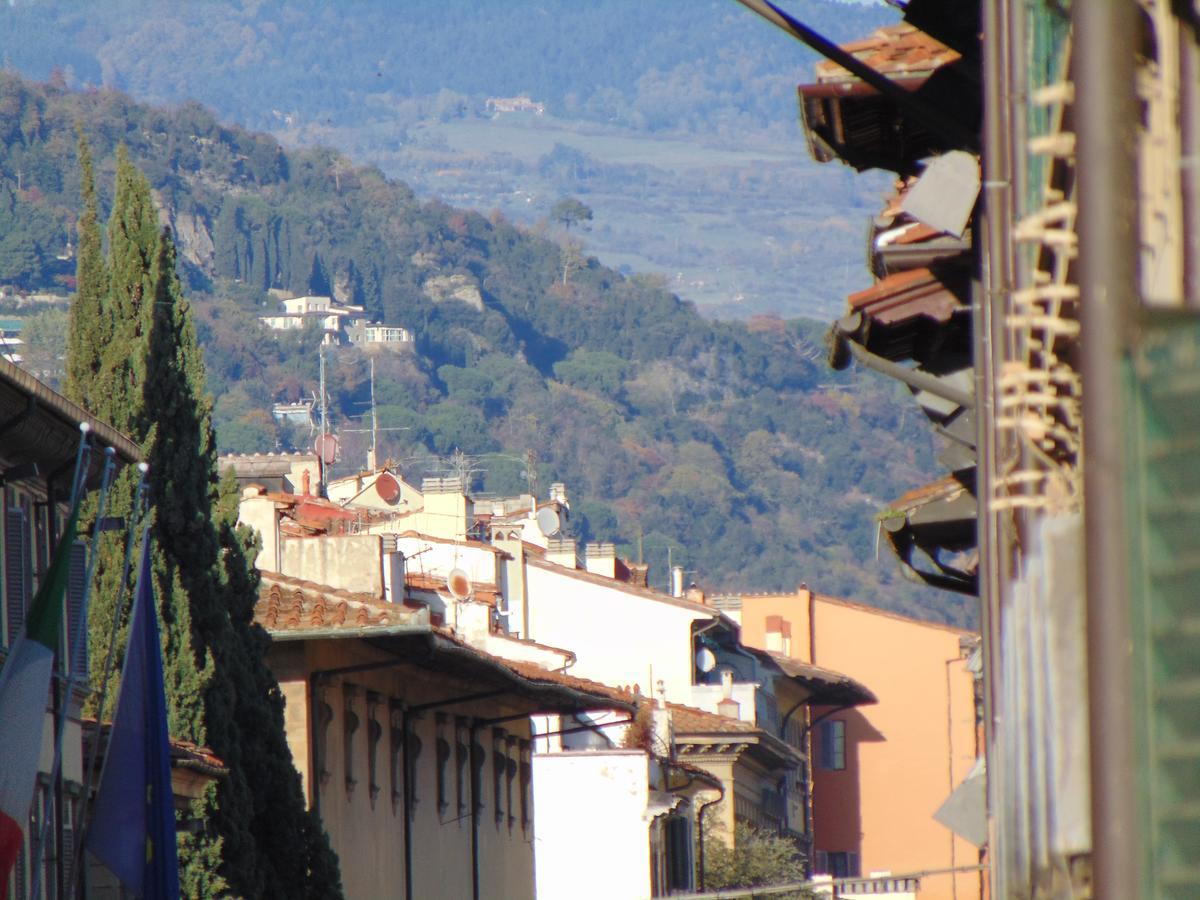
(676, 120)
(731, 443)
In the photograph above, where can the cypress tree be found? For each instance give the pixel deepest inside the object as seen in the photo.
(258, 840)
(87, 333)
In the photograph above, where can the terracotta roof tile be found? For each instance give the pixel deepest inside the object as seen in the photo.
(894, 50)
(689, 720)
(292, 604)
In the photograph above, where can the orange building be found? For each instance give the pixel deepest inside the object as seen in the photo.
(881, 772)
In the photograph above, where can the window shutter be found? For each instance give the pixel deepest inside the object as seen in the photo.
(76, 614)
(822, 866)
(852, 865)
(16, 571)
(826, 746)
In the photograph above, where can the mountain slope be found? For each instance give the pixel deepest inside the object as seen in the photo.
(730, 444)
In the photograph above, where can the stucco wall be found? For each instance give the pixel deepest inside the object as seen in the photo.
(590, 808)
(366, 831)
(620, 638)
(904, 755)
(352, 562)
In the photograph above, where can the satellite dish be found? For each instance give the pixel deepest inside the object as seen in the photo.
(387, 487)
(326, 447)
(548, 521)
(458, 583)
(706, 660)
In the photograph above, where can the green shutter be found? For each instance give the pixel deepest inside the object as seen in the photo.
(1163, 394)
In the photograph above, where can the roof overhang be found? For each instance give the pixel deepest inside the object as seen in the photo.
(420, 645)
(41, 428)
(825, 686)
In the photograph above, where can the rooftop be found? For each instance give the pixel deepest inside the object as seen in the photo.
(287, 604)
(898, 51)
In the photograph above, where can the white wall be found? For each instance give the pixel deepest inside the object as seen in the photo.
(620, 638)
(436, 558)
(591, 833)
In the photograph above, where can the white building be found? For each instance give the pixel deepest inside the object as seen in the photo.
(332, 318)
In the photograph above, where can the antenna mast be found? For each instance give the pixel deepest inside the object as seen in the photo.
(324, 419)
(372, 457)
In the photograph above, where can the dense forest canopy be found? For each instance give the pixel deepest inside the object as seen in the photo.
(730, 445)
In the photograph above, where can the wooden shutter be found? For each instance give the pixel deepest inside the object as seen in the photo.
(16, 571)
(76, 613)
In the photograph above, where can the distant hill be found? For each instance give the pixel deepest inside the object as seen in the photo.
(694, 65)
(676, 120)
(729, 443)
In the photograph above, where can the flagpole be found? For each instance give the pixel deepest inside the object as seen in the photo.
(136, 515)
(110, 465)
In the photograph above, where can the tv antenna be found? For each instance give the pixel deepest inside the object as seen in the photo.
(373, 453)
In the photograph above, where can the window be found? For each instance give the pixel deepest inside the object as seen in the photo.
(462, 753)
(510, 773)
(324, 720)
(374, 735)
(17, 570)
(414, 754)
(443, 763)
(499, 769)
(396, 736)
(833, 744)
(76, 589)
(838, 863)
(526, 772)
(349, 727)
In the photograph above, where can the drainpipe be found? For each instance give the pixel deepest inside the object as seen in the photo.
(1106, 117)
(700, 811)
(914, 378)
(994, 220)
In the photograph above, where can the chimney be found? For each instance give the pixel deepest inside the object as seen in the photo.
(558, 492)
(676, 581)
(694, 593)
(638, 573)
(561, 551)
(727, 706)
(601, 559)
(779, 635)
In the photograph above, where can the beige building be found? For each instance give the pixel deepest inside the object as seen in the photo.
(413, 747)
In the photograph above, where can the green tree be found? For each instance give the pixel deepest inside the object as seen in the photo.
(570, 212)
(258, 841)
(758, 858)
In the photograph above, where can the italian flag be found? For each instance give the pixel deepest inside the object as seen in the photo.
(24, 692)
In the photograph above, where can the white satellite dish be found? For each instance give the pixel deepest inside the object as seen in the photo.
(548, 521)
(706, 660)
(458, 583)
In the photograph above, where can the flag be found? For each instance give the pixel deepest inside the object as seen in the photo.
(24, 690)
(133, 827)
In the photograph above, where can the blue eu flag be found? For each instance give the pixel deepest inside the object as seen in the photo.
(133, 827)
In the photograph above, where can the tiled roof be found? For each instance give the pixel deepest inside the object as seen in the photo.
(904, 296)
(539, 674)
(292, 604)
(825, 684)
(689, 720)
(478, 545)
(623, 586)
(898, 51)
(184, 754)
(946, 488)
